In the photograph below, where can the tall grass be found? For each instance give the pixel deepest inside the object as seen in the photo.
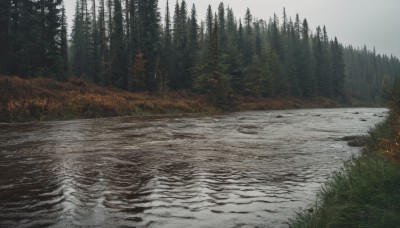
(364, 193)
(46, 99)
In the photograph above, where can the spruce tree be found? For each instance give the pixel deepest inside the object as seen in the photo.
(118, 54)
(103, 47)
(221, 26)
(255, 78)
(306, 76)
(167, 28)
(64, 42)
(77, 36)
(248, 19)
(193, 47)
(338, 69)
(150, 38)
(94, 46)
(168, 57)
(209, 22)
(248, 38)
(5, 34)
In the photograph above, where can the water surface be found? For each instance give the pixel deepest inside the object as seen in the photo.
(248, 169)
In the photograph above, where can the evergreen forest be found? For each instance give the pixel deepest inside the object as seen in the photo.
(130, 45)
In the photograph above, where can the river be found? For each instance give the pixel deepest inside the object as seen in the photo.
(247, 169)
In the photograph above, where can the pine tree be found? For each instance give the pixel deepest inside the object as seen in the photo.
(103, 47)
(5, 34)
(87, 41)
(276, 39)
(338, 69)
(210, 77)
(208, 33)
(133, 30)
(150, 41)
(279, 81)
(64, 41)
(240, 37)
(94, 46)
(255, 81)
(248, 19)
(231, 29)
(209, 22)
(167, 28)
(221, 26)
(193, 47)
(77, 41)
(118, 54)
(285, 22)
(248, 38)
(168, 56)
(257, 40)
(322, 68)
(305, 69)
(293, 54)
(193, 31)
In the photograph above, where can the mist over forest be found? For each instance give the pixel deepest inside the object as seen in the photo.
(126, 44)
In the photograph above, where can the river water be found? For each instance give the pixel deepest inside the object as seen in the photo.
(247, 169)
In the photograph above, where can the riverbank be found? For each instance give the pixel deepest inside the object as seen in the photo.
(365, 192)
(43, 99)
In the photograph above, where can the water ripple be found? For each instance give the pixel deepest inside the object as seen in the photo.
(243, 169)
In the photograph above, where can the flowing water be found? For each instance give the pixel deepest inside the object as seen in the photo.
(248, 169)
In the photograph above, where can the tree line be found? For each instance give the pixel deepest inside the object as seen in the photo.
(126, 44)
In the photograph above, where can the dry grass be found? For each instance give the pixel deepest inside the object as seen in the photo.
(46, 99)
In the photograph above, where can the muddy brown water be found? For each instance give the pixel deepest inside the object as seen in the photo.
(247, 169)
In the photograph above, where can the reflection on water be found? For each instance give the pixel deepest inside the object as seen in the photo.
(249, 168)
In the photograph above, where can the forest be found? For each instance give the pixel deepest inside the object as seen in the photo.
(130, 45)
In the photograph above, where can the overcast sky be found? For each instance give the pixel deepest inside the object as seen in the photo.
(356, 22)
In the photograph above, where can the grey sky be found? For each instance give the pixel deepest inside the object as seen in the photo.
(356, 22)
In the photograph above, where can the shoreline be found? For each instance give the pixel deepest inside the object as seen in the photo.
(364, 192)
(42, 99)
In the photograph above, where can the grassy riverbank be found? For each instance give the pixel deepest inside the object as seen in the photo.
(45, 99)
(365, 192)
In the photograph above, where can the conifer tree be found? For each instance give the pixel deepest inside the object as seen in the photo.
(168, 56)
(94, 46)
(167, 28)
(77, 41)
(5, 34)
(255, 78)
(306, 76)
(64, 42)
(133, 30)
(248, 19)
(338, 69)
(209, 22)
(103, 47)
(221, 26)
(248, 38)
(118, 54)
(149, 33)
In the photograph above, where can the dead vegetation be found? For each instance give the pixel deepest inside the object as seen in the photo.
(46, 99)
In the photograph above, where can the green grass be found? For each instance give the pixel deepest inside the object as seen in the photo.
(364, 193)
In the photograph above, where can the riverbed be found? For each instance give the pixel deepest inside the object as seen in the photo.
(246, 169)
